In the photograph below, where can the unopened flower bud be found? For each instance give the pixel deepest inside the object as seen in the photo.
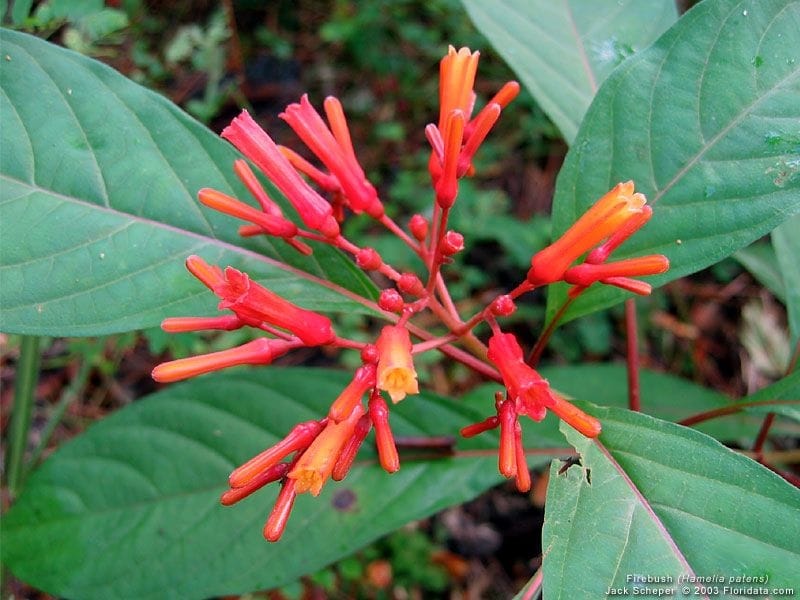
(410, 284)
(369, 354)
(384, 440)
(502, 306)
(452, 243)
(391, 300)
(419, 227)
(368, 259)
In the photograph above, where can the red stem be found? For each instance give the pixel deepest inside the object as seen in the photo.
(729, 410)
(761, 438)
(632, 349)
(534, 587)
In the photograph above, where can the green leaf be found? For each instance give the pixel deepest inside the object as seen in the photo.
(706, 123)
(130, 508)
(562, 51)
(98, 178)
(762, 263)
(786, 241)
(652, 498)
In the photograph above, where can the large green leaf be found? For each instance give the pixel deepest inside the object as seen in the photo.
(98, 178)
(656, 499)
(130, 508)
(562, 51)
(706, 123)
(786, 241)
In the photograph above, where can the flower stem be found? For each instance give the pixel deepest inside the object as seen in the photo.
(24, 393)
(392, 226)
(536, 352)
(632, 349)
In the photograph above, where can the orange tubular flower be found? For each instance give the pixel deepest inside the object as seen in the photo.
(348, 453)
(447, 184)
(316, 464)
(579, 420)
(254, 304)
(299, 438)
(335, 150)
(586, 274)
(456, 80)
(258, 352)
(184, 324)
(396, 373)
(255, 144)
(605, 217)
(270, 223)
(363, 380)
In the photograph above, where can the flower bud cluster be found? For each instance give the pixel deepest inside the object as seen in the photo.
(321, 195)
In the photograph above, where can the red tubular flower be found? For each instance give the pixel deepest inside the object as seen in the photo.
(507, 460)
(531, 393)
(258, 352)
(384, 440)
(254, 304)
(478, 428)
(255, 144)
(605, 217)
(363, 380)
(299, 438)
(334, 150)
(271, 224)
(396, 373)
(525, 385)
(273, 473)
(276, 522)
(523, 474)
(316, 464)
(586, 274)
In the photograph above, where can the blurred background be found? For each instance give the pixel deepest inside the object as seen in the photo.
(721, 328)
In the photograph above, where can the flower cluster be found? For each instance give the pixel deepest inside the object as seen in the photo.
(322, 195)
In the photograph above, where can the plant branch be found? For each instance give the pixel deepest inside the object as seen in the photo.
(729, 410)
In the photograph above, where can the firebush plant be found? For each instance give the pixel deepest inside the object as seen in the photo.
(684, 148)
